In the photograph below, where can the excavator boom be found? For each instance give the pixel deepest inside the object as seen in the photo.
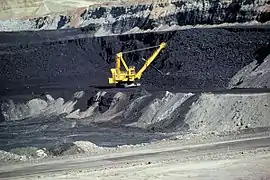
(149, 61)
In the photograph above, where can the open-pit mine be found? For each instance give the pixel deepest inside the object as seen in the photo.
(193, 100)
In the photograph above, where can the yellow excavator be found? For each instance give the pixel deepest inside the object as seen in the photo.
(129, 76)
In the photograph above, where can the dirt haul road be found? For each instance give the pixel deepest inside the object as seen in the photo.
(235, 158)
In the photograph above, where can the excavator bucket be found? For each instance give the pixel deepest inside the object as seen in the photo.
(132, 85)
(128, 85)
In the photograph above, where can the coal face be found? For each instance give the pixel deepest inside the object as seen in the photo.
(195, 58)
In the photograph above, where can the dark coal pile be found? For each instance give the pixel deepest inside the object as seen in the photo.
(196, 58)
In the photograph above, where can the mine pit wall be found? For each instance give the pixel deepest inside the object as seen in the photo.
(144, 16)
(181, 13)
(195, 58)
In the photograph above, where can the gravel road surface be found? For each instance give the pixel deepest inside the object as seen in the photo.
(164, 158)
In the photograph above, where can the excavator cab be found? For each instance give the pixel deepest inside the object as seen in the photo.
(131, 73)
(132, 70)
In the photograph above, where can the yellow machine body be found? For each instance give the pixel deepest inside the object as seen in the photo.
(129, 76)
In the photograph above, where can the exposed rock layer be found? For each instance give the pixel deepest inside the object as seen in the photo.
(142, 16)
(254, 75)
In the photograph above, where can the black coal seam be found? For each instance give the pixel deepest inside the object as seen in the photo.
(84, 46)
(73, 36)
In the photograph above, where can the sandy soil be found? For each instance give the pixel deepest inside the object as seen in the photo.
(209, 169)
(15, 9)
